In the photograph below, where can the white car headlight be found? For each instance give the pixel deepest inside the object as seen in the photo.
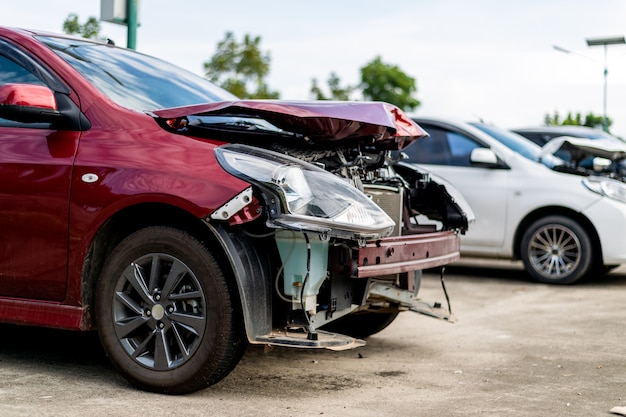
(310, 198)
(607, 187)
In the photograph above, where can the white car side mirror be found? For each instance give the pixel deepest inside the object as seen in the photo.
(483, 156)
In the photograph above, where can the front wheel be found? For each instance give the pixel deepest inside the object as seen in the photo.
(165, 313)
(556, 250)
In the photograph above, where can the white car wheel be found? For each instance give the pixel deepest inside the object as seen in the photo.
(556, 250)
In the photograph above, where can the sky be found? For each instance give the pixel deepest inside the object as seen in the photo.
(490, 60)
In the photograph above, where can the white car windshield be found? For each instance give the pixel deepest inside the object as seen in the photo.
(519, 144)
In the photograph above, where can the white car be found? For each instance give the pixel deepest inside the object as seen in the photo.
(563, 222)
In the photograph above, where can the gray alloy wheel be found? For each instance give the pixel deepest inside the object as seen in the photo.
(165, 313)
(159, 318)
(556, 250)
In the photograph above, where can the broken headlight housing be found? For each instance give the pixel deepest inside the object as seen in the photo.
(302, 196)
(610, 188)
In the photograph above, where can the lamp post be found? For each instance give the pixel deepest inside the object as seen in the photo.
(615, 40)
(122, 12)
(131, 24)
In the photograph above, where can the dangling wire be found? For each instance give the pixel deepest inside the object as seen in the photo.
(443, 285)
(306, 277)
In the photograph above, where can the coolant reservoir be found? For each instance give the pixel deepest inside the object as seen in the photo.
(292, 247)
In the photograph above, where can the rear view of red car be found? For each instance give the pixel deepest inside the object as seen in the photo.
(181, 223)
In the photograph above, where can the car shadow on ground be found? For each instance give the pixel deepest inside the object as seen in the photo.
(26, 342)
(78, 357)
(69, 354)
(64, 354)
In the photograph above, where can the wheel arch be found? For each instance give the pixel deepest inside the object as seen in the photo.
(233, 250)
(578, 217)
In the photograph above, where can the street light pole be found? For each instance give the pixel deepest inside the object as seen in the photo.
(131, 24)
(605, 42)
(122, 12)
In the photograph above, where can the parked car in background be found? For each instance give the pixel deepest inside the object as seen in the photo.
(562, 222)
(181, 223)
(543, 134)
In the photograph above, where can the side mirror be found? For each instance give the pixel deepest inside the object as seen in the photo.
(28, 103)
(29, 95)
(484, 157)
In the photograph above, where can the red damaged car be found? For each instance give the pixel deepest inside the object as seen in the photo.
(181, 223)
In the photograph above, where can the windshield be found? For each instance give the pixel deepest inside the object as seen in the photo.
(134, 80)
(518, 143)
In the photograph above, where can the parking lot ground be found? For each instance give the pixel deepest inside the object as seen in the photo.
(517, 349)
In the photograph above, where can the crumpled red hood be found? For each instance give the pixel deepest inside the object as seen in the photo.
(318, 120)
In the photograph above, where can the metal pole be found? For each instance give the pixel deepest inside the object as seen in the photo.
(613, 40)
(131, 17)
(605, 125)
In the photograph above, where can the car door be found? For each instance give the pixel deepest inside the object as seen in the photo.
(447, 153)
(35, 171)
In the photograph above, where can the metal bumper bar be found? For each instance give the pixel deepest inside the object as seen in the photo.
(405, 253)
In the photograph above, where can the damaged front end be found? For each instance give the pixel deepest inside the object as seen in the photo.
(586, 157)
(346, 250)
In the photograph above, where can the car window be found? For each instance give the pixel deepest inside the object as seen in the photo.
(11, 72)
(519, 144)
(442, 147)
(461, 147)
(430, 150)
(512, 141)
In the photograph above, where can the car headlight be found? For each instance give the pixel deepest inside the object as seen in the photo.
(304, 196)
(607, 187)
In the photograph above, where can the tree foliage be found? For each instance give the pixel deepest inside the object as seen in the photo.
(241, 68)
(337, 92)
(90, 29)
(385, 82)
(590, 120)
(379, 82)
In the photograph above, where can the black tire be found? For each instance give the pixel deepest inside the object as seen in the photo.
(557, 250)
(166, 316)
(362, 324)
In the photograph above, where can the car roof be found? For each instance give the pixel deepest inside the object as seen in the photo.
(570, 130)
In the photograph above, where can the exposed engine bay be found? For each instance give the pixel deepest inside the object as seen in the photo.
(586, 157)
(322, 281)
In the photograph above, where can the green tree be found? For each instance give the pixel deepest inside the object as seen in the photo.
(550, 120)
(590, 120)
(337, 92)
(241, 68)
(90, 29)
(594, 120)
(385, 82)
(573, 120)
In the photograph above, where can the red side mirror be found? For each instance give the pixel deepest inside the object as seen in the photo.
(28, 95)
